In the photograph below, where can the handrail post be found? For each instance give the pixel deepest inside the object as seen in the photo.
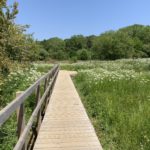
(38, 122)
(45, 84)
(49, 92)
(45, 87)
(39, 118)
(20, 119)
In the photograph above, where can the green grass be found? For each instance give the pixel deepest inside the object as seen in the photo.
(116, 95)
(118, 108)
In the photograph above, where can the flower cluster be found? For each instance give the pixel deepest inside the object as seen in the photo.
(23, 76)
(117, 70)
(138, 65)
(102, 74)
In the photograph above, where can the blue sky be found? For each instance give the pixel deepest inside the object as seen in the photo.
(64, 18)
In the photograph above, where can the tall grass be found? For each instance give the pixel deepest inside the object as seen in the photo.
(118, 103)
(116, 95)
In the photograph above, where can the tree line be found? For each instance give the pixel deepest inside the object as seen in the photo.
(129, 42)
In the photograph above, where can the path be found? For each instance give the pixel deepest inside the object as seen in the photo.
(66, 125)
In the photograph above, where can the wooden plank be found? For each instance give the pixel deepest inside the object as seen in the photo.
(70, 148)
(66, 125)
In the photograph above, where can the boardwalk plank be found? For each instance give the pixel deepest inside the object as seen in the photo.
(66, 125)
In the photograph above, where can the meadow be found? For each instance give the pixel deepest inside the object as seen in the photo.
(115, 94)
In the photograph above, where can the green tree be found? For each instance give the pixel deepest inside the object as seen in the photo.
(90, 41)
(83, 54)
(75, 43)
(7, 27)
(114, 45)
(14, 44)
(55, 47)
(129, 42)
(43, 54)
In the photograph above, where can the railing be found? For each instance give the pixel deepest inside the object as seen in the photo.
(38, 113)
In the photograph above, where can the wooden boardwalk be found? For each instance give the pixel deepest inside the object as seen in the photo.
(66, 125)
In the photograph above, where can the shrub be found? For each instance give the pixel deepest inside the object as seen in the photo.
(43, 54)
(73, 59)
(83, 54)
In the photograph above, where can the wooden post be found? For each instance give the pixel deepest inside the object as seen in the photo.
(49, 78)
(49, 92)
(39, 118)
(49, 81)
(45, 87)
(38, 123)
(45, 84)
(20, 119)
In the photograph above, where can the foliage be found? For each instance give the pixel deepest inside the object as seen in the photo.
(73, 59)
(43, 54)
(75, 43)
(14, 44)
(83, 54)
(129, 42)
(18, 80)
(55, 47)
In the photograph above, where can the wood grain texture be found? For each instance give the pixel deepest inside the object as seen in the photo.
(66, 125)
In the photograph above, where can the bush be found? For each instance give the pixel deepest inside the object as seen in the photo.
(73, 59)
(83, 54)
(43, 54)
(59, 55)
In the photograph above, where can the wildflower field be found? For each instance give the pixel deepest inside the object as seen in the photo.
(116, 95)
(19, 79)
